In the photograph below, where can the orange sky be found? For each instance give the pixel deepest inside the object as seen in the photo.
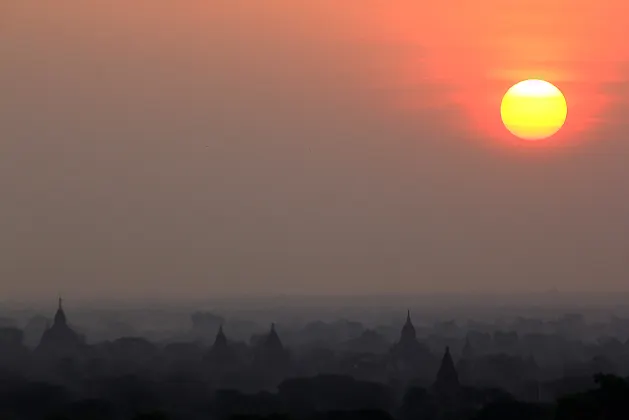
(470, 51)
(476, 50)
(308, 146)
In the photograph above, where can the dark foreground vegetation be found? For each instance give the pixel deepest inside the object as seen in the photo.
(137, 397)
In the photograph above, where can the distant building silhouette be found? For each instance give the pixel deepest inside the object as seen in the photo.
(408, 354)
(465, 365)
(220, 355)
(447, 381)
(271, 353)
(60, 339)
(221, 340)
(408, 344)
(409, 335)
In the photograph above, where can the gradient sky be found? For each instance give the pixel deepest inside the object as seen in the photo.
(195, 148)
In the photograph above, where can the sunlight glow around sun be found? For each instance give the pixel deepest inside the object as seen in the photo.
(533, 109)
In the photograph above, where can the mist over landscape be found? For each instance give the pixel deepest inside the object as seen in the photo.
(371, 356)
(168, 319)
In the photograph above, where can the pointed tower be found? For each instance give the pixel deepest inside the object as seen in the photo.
(271, 352)
(60, 338)
(220, 353)
(60, 316)
(408, 356)
(447, 381)
(466, 364)
(408, 331)
(221, 339)
(272, 343)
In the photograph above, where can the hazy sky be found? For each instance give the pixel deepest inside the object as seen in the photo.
(190, 148)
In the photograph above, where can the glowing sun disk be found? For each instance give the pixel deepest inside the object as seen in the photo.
(533, 109)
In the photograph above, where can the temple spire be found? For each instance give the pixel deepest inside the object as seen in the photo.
(447, 378)
(273, 340)
(271, 353)
(408, 330)
(221, 339)
(60, 316)
(59, 338)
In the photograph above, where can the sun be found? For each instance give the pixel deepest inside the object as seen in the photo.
(533, 109)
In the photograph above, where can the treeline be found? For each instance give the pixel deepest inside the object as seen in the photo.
(134, 397)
